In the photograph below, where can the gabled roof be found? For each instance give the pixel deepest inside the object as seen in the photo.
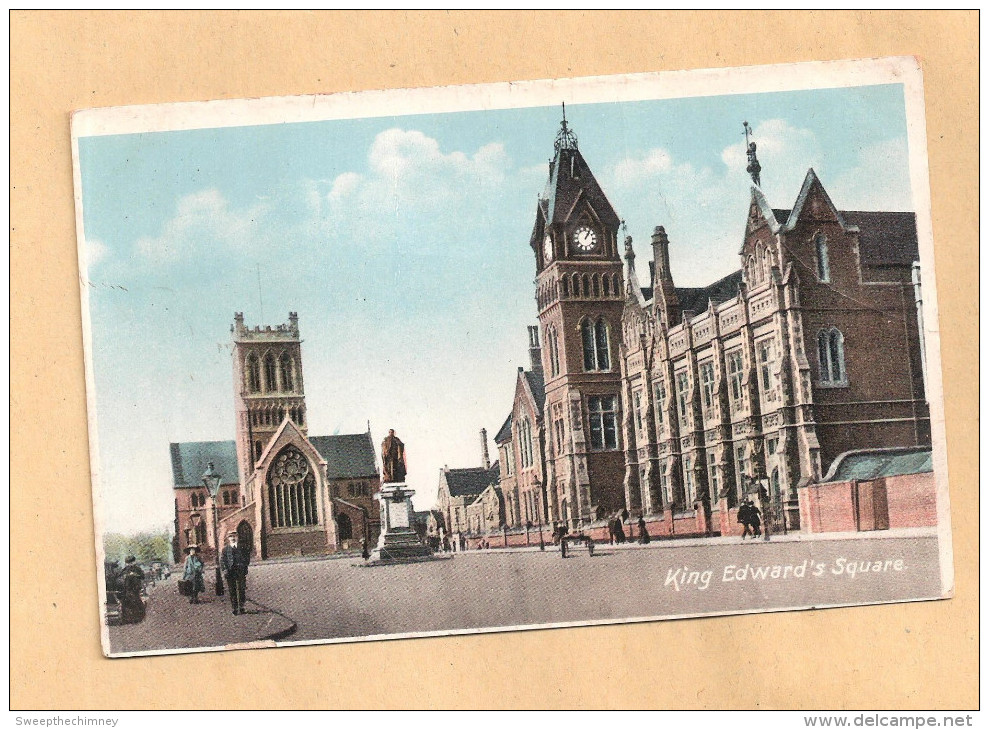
(695, 299)
(810, 180)
(470, 482)
(348, 456)
(189, 460)
(885, 238)
(874, 463)
(505, 432)
(537, 387)
(570, 181)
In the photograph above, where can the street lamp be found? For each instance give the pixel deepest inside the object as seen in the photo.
(211, 479)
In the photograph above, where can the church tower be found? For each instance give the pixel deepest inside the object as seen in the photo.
(268, 388)
(579, 295)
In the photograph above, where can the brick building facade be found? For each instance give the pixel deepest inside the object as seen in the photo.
(289, 494)
(674, 402)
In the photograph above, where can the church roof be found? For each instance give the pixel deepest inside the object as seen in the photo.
(537, 386)
(470, 482)
(505, 432)
(886, 238)
(348, 456)
(189, 460)
(695, 299)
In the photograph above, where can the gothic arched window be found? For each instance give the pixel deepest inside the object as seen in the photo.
(831, 356)
(596, 286)
(565, 284)
(253, 374)
(602, 348)
(287, 369)
(270, 379)
(292, 490)
(823, 264)
(554, 351)
(606, 285)
(595, 339)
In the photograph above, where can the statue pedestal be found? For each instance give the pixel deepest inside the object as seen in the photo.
(398, 540)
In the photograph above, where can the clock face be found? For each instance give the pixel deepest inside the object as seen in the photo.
(585, 239)
(547, 248)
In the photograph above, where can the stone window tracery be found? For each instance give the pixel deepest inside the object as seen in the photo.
(292, 490)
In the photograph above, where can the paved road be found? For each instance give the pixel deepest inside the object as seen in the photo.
(173, 623)
(340, 598)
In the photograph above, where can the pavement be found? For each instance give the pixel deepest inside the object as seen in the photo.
(483, 590)
(173, 623)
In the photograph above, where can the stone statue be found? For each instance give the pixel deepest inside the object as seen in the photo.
(392, 458)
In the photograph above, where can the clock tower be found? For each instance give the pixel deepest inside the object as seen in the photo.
(579, 295)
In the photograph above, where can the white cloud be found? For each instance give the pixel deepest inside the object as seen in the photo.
(856, 189)
(96, 251)
(633, 170)
(203, 222)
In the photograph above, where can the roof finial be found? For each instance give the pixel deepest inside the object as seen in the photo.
(565, 139)
(754, 168)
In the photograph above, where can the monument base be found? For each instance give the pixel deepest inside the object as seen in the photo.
(397, 542)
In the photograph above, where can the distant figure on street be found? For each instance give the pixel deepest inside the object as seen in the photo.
(611, 532)
(365, 553)
(393, 467)
(234, 562)
(643, 532)
(619, 530)
(131, 601)
(755, 519)
(193, 572)
(743, 518)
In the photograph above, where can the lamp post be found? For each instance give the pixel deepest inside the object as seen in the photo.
(211, 480)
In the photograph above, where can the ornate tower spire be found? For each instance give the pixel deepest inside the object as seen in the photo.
(754, 168)
(565, 138)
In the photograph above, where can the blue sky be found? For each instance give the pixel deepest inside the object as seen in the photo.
(402, 242)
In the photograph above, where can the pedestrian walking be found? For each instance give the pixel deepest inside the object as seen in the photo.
(744, 519)
(234, 562)
(131, 600)
(755, 519)
(193, 573)
(365, 553)
(643, 532)
(619, 530)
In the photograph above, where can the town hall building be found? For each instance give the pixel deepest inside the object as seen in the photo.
(676, 403)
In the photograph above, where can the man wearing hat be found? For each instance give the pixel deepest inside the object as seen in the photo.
(234, 561)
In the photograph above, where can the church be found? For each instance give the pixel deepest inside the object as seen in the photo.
(675, 403)
(284, 492)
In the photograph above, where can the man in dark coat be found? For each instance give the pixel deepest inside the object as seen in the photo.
(234, 561)
(744, 518)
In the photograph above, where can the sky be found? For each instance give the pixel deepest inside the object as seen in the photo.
(402, 242)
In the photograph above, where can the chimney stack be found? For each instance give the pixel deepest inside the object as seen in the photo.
(485, 459)
(661, 255)
(535, 351)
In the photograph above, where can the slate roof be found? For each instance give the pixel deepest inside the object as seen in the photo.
(695, 299)
(564, 189)
(470, 482)
(189, 460)
(875, 463)
(538, 388)
(885, 238)
(348, 456)
(505, 432)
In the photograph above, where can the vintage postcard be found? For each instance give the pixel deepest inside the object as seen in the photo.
(512, 356)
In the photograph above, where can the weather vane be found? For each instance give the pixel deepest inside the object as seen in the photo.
(754, 168)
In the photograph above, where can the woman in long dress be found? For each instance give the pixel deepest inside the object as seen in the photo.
(193, 573)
